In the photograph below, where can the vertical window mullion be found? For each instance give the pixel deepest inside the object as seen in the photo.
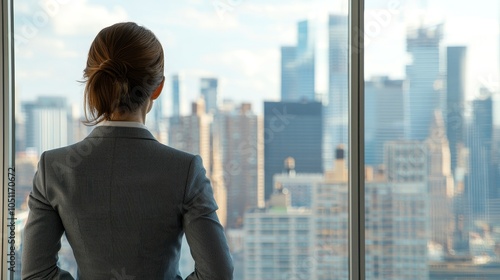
(7, 120)
(356, 141)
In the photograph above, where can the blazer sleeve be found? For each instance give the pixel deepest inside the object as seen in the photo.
(204, 233)
(42, 234)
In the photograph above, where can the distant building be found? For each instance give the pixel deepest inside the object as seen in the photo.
(300, 186)
(425, 81)
(291, 129)
(298, 67)
(479, 185)
(335, 113)
(278, 241)
(176, 102)
(456, 68)
(192, 134)
(384, 116)
(240, 136)
(210, 92)
(396, 222)
(48, 123)
(441, 184)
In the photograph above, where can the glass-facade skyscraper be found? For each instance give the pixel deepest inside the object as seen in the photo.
(291, 129)
(298, 66)
(423, 74)
(176, 107)
(209, 91)
(384, 116)
(479, 186)
(455, 99)
(335, 119)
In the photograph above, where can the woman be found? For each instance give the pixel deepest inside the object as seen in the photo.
(123, 199)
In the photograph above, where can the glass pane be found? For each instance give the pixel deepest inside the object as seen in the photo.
(258, 89)
(431, 141)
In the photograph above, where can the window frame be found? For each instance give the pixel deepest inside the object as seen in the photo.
(7, 119)
(356, 130)
(356, 154)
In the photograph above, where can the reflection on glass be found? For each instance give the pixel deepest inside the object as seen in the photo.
(259, 90)
(430, 137)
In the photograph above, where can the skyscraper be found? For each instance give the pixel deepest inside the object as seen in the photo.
(335, 119)
(423, 73)
(291, 129)
(298, 67)
(193, 135)
(441, 185)
(479, 186)
(240, 135)
(176, 89)
(47, 123)
(384, 116)
(209, 91)
(455, 100)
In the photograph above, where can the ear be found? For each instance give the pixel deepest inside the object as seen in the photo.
(158, 90)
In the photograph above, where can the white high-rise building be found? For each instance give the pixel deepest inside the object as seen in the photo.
(278, 241)
(47, 123)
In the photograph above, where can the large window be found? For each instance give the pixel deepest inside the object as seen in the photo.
(319, 172)
(432, 199)
(258, 89)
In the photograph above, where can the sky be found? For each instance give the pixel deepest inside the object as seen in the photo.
(238, 41)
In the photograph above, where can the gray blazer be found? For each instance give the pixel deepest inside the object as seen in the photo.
(124, 201)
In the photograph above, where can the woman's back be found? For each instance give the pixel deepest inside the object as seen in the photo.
(124, 201)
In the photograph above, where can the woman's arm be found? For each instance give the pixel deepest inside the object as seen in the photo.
(42, 235)
(204, 232)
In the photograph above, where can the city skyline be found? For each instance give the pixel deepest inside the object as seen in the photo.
(256, 57)
(430, 194)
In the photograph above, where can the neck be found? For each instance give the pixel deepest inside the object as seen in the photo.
(137, 116)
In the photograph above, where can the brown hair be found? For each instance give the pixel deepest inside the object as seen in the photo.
(124, 66)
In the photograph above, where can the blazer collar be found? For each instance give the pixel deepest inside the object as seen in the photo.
(120, 132)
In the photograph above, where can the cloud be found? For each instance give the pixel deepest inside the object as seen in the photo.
(204, 20)
(81, 17)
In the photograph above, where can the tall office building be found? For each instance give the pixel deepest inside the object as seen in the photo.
(424, 90)
(278, 241)
(291, 129)
(455, 100)
(240, 135)
(396, 219)
(479, 186)
(210, 92)
(48, 123)
(298, 67)
(335, 119)
(384, 116)
(331, 222)
(192, 133)
(441, 185)
(176, 102)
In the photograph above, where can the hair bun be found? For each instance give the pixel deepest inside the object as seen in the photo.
(116, 69)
